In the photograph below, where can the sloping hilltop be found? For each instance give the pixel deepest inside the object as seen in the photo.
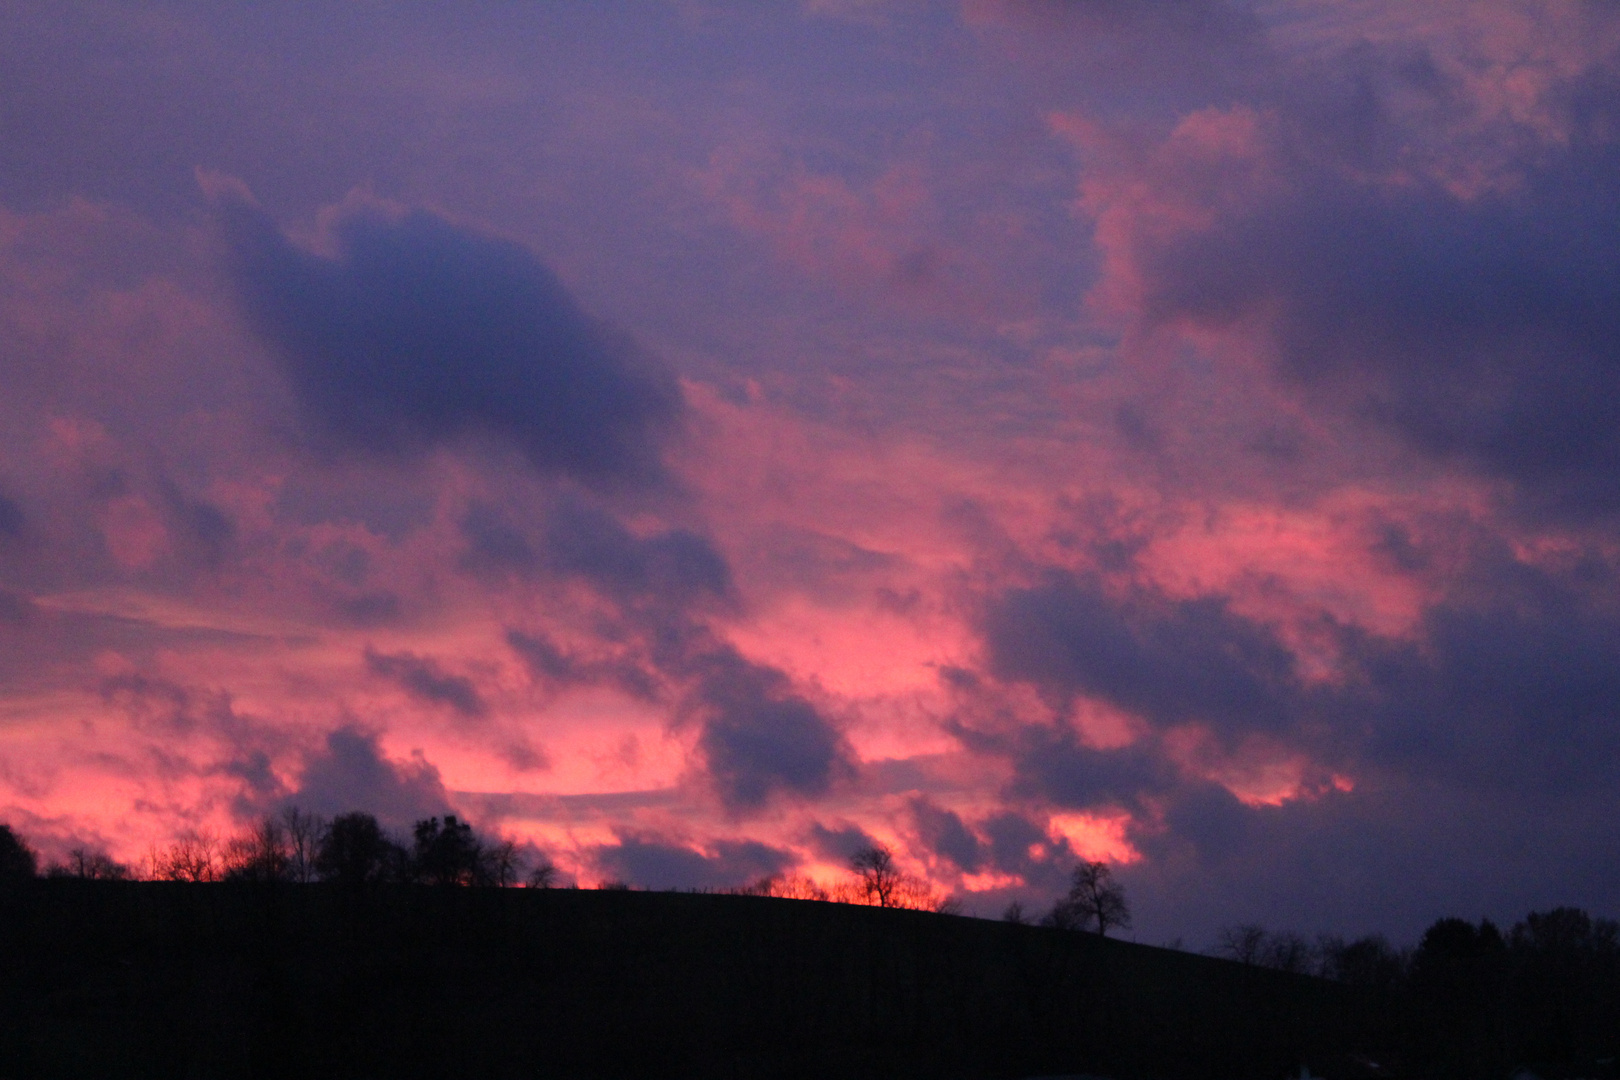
(175, 980)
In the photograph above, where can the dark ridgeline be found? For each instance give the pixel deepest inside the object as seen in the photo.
(249, 979)
(313, 948)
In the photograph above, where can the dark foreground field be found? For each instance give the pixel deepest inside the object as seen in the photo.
(175, 980)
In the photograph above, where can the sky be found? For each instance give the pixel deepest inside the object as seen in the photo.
(698, 440)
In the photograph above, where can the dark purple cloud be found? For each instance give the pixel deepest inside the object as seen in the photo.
(495, 548)
(1514, 684)
(552, 665)
(1482, 332)
(546, 659)
(945, 834)
(670, 568)
(1512, 678)
(1177, 54)
(759, 737)
(838, 844)
(674, 567)
(1394, 855)
(1011, 837)
(204, 531)
(424, 679)
(1476, 320)
(351, 773)
(1053, 767)
(421, 333)
(155, 701)
(655, 864)
(12, 520)
(1167, 661)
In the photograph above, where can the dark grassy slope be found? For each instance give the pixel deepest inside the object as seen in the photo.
(173, 980)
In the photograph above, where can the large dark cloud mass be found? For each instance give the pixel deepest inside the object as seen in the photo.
(759, 736)
(1479, 320)
(671, 569)
(1167, 661)
(1519, 687)
(945, 834)
(351, 773)
(1506, 693)
(420, 332)
(1511, 680)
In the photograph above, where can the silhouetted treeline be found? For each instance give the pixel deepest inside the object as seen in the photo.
(1470, 1001)
(351, 849)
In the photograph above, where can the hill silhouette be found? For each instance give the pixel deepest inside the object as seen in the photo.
(243, 979)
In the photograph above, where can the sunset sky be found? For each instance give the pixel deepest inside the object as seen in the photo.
(699, 439)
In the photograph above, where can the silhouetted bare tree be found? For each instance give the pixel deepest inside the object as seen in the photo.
(1244, 943)
(881, 883)
(304, 832)
(543, 876)
(1288, 952)
(260, 854)
(17, 860)
(1283, 951)
(504, 863)
(879, 877)
(1095, 901)
(193, 856)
